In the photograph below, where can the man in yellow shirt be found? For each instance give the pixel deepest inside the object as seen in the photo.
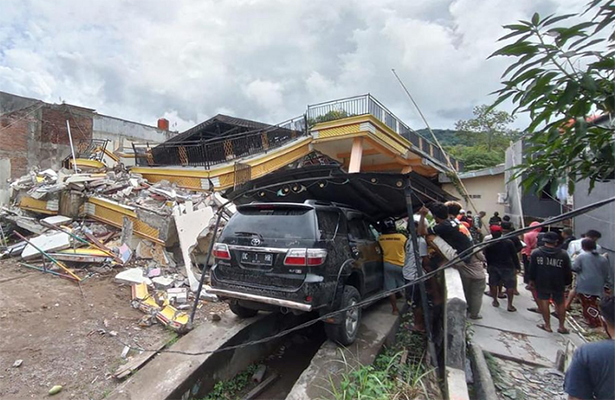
(393, 246)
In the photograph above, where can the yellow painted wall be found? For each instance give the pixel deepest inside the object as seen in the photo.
(487, 187)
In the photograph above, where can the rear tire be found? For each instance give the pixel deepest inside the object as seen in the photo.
(345, 333)
(241, 311)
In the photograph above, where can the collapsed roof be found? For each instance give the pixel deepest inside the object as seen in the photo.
(379, 195)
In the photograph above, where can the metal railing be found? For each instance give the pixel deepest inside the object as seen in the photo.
(367, 104)
(212, 152)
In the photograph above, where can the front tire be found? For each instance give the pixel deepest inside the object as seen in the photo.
(241, 311)
(345, 333)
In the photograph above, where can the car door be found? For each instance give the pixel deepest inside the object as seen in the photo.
(366, 251)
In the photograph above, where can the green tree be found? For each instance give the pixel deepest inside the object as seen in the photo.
(476, 157)
(563, 76)
(488, 125)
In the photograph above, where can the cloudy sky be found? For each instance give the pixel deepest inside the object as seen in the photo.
(257, 59)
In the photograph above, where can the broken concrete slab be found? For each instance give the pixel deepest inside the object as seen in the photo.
(48, 242)
(189, 227)
(57, 220)
(132, 276)
(163, 282)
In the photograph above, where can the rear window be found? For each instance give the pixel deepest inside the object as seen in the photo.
(273, 223)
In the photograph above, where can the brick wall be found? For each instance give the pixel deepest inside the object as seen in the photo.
(14, 128)
(53, 127)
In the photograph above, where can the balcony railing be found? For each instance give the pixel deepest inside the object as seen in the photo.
(367, 104)
(212, 152)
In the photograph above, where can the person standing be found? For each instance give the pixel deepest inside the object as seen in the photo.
(575, 248)
(507, 227)
(477, 227)
(393, 246)
(591, 371)
(502, 261)
(592, 272)
(470, 267)
(454, 208)
(568, 237)
(550, 273)
(495, 219)
(530, 239)
(410, 273)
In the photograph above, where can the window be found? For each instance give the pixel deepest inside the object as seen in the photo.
(357, 229)
(329, 224)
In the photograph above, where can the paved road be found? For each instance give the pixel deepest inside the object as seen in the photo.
(515, 335)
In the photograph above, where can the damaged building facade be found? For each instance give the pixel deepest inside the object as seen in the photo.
(33, 134)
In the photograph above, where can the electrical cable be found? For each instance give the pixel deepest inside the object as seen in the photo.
(453, 261)
(448, 160)
(22, 118)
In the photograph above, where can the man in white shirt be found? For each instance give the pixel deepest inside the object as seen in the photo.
(575, 248)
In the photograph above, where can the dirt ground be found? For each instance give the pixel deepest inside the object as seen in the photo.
(53, 326)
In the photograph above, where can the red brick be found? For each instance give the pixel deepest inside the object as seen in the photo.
(54, 125)
(14, 133)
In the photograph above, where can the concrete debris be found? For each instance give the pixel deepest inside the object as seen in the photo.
(131, 276)
(162, 282)
(17, 363)
(48, 242)
(102, 219)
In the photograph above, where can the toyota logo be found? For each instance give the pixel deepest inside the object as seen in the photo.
(255, 242)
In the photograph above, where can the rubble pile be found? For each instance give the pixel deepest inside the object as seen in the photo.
(77, 225)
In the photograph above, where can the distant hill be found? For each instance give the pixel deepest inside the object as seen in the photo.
(447, 137)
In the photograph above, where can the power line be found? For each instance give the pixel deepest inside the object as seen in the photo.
(452, 262)
(22, 118)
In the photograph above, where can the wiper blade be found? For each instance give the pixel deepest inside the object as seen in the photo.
(240, 233)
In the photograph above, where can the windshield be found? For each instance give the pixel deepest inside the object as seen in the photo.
(272, 223)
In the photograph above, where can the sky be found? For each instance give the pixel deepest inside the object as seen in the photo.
(258, 59)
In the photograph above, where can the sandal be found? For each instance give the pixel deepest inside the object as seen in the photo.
(495, 303)
(511, 309)
(502, 296)
(563, 331)
(544, 328)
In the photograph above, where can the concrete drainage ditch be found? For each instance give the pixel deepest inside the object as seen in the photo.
(303, 369)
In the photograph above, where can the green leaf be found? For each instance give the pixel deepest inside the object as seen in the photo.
(535, 19)
(550, 21)
(515, 49)
(603, 64)
(572, 88)
(589, 84)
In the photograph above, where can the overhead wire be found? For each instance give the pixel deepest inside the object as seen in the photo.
(381, 295)
(433, 135)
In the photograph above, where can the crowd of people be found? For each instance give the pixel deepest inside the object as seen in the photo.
(556, 267)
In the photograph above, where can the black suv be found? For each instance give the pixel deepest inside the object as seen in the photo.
(299, 257)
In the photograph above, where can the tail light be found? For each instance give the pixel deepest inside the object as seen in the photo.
(305, 257)
(221, 251)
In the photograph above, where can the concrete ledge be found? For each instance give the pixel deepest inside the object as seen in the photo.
(483, 382)
(454, 321)
(454, 336)
(378, 328)
(180, 376)
(456, 387)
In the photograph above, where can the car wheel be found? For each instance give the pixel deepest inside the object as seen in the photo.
(345, 332)
(242, 311)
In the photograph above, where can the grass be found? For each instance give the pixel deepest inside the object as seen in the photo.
(390, 376)
(230, 389)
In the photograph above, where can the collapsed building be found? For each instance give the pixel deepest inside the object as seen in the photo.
(157, 215)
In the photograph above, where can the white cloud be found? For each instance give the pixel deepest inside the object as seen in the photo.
(260, 59)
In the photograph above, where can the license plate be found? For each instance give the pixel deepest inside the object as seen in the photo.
(257, 258)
